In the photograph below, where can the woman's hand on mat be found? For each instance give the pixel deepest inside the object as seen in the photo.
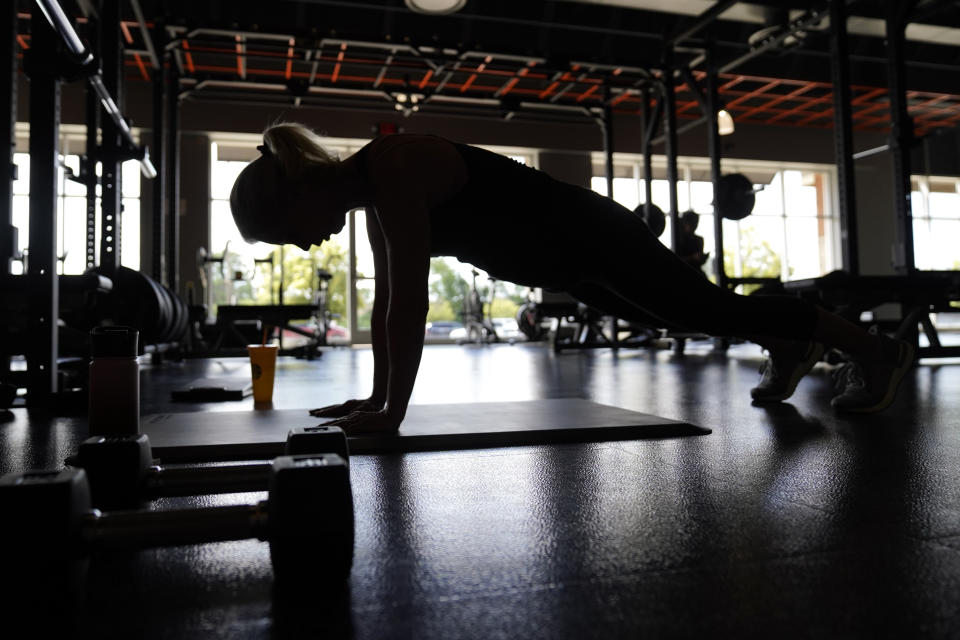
(346, 408)
(367, 422)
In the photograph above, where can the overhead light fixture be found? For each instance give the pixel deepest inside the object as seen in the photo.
(724, 122)
(435, 7)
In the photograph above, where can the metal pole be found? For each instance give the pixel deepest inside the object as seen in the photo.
(283, 276)
(901, 136)
(158, 264)
(8, 94)
(43, 346)
(713, 141)
(352, 278)
(173, 180)
(648, 128)
(843, 137)
(607, 125)
(8, 141)
(53, 14)
(111, 204)
(866, 153)
(145, 32)
(89, 164)
(670, 133)
(91, 158)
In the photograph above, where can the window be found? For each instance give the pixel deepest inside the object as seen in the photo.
(72, 206)
(936, 222)
(451, 280)
(792, 232)
(631, 193)
(237, 272)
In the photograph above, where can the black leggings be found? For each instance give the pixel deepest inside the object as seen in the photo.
(523, 226)
(630, 274)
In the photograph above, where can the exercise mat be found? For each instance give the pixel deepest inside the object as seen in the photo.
(225, 435)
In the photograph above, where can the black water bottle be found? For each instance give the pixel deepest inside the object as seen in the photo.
(114, 382)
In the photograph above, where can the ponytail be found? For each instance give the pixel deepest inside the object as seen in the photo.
(297, 149)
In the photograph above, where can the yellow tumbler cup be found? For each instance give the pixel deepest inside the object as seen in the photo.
(263, 363)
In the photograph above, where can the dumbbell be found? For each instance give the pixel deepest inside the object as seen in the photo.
(50, 525)
(122, 474)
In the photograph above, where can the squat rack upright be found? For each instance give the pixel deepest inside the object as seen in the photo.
(57, 54)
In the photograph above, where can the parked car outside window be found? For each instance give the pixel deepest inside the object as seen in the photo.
(441, 328)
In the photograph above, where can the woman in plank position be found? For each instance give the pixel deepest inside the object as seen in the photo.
(426, 196)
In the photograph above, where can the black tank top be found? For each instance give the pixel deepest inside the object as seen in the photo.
(505, 213)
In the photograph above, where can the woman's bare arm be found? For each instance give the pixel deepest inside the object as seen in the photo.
(381, 300)
(411, 175)
(406, 237)
(408, 259)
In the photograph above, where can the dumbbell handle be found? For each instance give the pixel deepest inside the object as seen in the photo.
(187, 481)
(148, 529)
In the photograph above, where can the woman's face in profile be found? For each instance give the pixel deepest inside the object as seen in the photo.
(303, 215)
(312, 215)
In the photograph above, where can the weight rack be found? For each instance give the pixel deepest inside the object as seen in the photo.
(58, 55)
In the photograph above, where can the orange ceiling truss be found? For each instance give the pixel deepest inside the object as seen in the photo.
(395, 72)
(810, 104)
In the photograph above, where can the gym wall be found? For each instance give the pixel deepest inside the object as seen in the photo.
(194, 209)
(876, 220)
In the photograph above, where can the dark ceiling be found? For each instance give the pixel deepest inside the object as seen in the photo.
(562, 30)
(497, 55)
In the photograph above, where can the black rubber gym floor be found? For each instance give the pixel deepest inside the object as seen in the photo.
(784, 522)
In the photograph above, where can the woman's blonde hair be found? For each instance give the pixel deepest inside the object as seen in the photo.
(291, 153)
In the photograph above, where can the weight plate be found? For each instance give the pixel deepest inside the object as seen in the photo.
(654, 218)
(735, 197)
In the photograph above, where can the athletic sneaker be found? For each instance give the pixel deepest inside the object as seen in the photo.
(781, 372)
(869, 387)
